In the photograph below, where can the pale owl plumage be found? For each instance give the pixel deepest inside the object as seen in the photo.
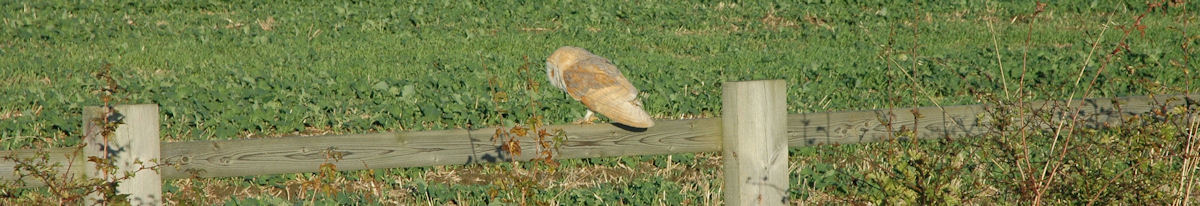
(597, 83)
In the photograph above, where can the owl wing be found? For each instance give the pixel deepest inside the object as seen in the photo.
(603, 89)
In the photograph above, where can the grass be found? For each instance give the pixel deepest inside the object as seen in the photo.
(223, 70)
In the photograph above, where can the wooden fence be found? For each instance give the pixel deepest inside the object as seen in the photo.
(265, 156)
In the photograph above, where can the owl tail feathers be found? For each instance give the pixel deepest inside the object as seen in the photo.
(628, 113)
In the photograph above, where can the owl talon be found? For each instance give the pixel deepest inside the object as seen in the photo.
(584, 122)
(588, 118)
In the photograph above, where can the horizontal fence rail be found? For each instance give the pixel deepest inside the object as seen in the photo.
(425, 148)
(963, 120)
(226, 158)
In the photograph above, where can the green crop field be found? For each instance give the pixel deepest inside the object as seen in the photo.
(264, 69)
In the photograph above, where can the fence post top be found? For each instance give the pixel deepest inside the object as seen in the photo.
(750, 82)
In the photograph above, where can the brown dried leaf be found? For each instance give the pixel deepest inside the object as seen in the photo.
(519, 131)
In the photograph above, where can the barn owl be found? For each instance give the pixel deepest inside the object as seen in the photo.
(597, 83)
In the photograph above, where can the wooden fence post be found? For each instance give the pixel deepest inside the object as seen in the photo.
(133, 147)
(755, 142)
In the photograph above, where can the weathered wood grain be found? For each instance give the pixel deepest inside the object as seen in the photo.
(424, 148)
(963, 121)
(754, 142)
(133, 146)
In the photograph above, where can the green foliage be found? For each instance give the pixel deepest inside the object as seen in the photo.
(227, 69)
(270, 201)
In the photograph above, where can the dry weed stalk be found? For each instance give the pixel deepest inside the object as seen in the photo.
(546, 143)
(62, 181)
